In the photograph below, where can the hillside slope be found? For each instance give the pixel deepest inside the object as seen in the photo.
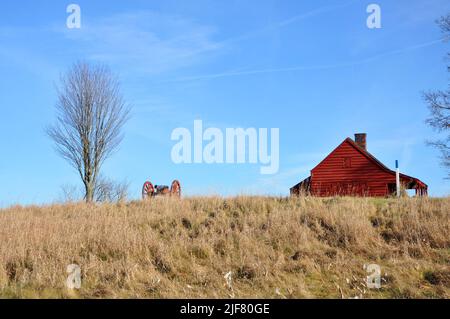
(273, 247)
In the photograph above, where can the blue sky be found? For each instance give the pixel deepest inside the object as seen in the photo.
(310, 68)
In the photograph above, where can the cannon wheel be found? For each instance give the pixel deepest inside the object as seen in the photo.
(175, 189)
(147, 190)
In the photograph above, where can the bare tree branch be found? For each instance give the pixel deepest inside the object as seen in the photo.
(106, 190)
(439, 107)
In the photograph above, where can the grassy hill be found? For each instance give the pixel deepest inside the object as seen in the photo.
(273, 247)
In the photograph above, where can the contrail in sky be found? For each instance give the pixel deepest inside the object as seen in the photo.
(308, 68)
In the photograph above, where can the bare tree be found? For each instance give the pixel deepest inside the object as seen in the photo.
(69, 193)
(439, 106)
(91, 113)
(107, 190)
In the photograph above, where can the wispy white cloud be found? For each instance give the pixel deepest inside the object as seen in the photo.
(315, 12)
(403, 147)
(418, 12)
(145, 41)
(36, 65)
(278, 184)
(288, 21)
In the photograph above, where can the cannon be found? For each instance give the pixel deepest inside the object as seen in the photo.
(149, 190)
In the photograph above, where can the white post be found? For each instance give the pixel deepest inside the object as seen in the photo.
(397, 178)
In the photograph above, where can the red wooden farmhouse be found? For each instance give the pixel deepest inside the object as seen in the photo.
(350, 170)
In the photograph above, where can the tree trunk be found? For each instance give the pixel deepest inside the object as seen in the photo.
(89, 193)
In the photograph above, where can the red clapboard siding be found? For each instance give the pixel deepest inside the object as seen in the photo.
(347, 171)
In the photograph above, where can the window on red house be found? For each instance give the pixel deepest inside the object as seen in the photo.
(347, 162)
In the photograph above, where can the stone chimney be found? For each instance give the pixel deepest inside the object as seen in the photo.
(360, 140)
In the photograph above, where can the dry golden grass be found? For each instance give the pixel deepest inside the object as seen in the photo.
(273, 247)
